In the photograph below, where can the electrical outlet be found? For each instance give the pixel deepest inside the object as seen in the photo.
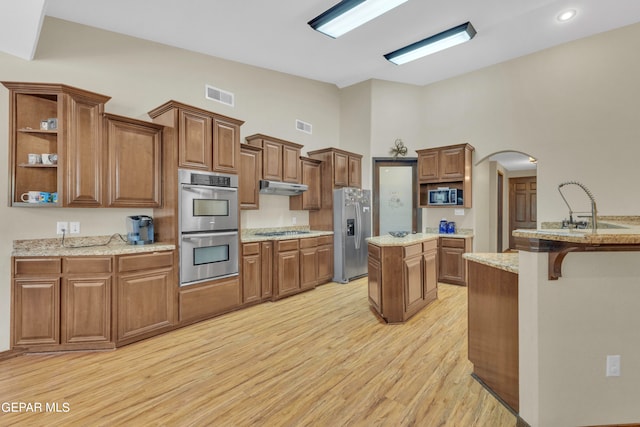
(62, 227)
(74, 227)
(294, 220)
(613, 365)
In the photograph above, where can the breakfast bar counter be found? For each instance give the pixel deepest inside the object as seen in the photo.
(402, 275)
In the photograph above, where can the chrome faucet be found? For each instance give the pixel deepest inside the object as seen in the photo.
(594, 211)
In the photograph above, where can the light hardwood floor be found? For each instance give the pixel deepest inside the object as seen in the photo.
(316, 359)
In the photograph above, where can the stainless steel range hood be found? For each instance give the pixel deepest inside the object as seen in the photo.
(281, 188)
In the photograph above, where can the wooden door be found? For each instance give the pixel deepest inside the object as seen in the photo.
(84, 154)
(325, 262)
(266, 251)
(311, 176)
(288, 274)
(430, 268)
(226, 146)
(36, 316)
(272, 160)
(428, 165)
(250, 174)
(86, 304)
(134, 156)
(251, 271)
(452, 164)
(412, 281)
(355, 172)
(145, 302)
(522, 205)
(194, 140)
(308, 267)
(290, 164)
(340, 170)
(451, 262)
(375, 283)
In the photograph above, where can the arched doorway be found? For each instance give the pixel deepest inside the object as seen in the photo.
(512, 182)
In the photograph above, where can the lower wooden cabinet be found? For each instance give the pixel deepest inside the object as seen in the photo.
(62, 303)
(256, 271)
(452, 267)
(144, 296)
(286, 268)
(36, 311)
(308, 263)
(325, 259)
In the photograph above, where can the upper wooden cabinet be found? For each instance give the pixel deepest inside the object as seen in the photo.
(280, 158)
(62, 120)
(250, 174)
(205, 140)
(311, 176)
(339, 168)
(345, 167)
(134, 150)
(448, 166)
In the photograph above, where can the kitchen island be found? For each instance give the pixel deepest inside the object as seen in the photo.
(578, 296)
(493, 323)
(402, 275)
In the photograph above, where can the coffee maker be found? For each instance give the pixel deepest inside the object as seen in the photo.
(139, 230)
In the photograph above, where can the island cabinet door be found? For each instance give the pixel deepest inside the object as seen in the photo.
(412, 272)
(430, 269)
(375, 283)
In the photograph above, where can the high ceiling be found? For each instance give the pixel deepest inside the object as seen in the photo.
(275, 34)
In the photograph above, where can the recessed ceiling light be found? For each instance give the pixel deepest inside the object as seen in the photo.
(566, 15)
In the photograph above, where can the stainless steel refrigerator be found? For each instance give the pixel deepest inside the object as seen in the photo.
(351, 227)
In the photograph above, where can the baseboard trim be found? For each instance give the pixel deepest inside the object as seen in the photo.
(9, 354)
(520, 422)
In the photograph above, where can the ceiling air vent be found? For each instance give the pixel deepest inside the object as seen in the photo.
(219, 95)
(303, 126)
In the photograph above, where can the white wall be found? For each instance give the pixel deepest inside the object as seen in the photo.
(355, 125)
(140, 76)
(573, 107)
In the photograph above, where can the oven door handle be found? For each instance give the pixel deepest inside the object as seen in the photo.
(202, 235)
(210, 187)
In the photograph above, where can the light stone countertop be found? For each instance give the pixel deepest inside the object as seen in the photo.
(616, 230)
(249, 235)
(83, 246)
(503, 261)
(409, 239)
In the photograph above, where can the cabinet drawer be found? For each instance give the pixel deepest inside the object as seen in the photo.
(309, 242)
(325, 240)
(451, 242)
(251, 248)
(286, 245)
(412, 250)
(74, 265)
(37, 266)
(374, 251)
(430, 245)
(145, 261)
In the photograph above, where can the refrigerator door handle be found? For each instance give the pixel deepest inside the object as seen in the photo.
(358, 225)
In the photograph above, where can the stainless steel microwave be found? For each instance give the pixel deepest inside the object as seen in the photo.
(445, 196)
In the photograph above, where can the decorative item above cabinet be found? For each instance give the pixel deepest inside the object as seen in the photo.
(447, 167)
(71, 140)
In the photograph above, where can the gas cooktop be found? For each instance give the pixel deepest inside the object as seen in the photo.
(281, 233)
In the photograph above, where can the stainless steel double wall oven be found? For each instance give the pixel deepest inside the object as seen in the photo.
(208, 226)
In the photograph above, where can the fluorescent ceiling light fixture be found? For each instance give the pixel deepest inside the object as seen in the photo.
(444, 40)
(566, 15)
(349, 14)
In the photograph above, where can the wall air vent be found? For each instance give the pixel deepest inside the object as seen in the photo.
(303, 126)
(219, 95)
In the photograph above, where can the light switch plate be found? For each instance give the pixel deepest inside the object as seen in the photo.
(613, 365)
(459, 212)
(74, 227)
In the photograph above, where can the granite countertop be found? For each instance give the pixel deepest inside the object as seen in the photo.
(461, 233)
(503, 261)
(83, 246)
(409, 239)
(614, 236)
(249, 235)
